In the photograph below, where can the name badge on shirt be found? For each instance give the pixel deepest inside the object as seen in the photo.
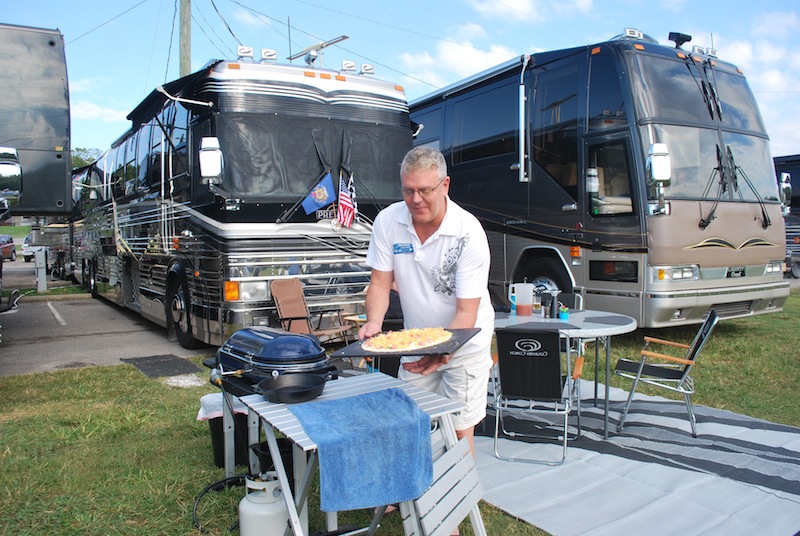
(399, 249)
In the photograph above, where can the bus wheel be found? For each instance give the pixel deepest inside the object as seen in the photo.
(91, 281)
(796, 270)
(546, 274)
(178, 316)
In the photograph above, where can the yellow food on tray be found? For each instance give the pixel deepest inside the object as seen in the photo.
(406, 340)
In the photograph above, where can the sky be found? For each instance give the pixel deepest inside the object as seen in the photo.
(118, 52)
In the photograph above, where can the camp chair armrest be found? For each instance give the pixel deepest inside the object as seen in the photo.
(666, 357)
(323, 311)
(667, 343)
(292, 317)
(578, 370)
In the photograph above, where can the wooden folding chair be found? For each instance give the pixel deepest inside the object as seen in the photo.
(672, 375)
(295, 317)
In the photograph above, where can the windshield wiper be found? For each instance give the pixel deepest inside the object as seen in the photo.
(712, 87)
(701, 84)
(721, 187)
(765, 220)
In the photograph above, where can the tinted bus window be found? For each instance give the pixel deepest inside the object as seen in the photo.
(485, 124)
(555, 124)
(606, 102)
(431, 133)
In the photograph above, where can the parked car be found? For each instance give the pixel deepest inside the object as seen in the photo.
(28, 250)
(7, 248)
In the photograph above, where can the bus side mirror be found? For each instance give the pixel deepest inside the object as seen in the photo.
(659, 173)
(10, 175)
(210, 161)
(786, 190)
(659, 166)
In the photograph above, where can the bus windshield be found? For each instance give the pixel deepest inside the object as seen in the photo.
(675, 106)
(281, 157)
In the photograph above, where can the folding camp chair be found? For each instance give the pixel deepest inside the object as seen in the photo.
(673, 375)
(294, 316)
(531, 382)
(455, 492)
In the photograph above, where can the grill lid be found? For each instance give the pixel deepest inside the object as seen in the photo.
(273, 347)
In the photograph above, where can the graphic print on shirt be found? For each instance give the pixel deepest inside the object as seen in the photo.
(444, 277)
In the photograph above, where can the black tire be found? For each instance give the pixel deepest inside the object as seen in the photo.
(13, 254)
(795, 270)
(178, 312)
(546, 274)
(92, 280)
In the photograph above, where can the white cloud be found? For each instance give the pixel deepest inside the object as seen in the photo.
(453, 59)
(530, 10)
(777, 25)
(525, 10)
(249, 19)
(85, 110)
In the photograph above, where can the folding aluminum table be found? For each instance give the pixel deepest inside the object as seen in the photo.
(278, 418)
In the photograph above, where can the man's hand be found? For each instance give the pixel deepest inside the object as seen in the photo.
(428, 364)
(369, 329)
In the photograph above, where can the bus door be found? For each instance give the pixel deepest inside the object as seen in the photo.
(613, 259)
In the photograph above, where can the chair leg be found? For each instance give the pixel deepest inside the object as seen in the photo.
(627, 405)
(692, 419)
(578, 409)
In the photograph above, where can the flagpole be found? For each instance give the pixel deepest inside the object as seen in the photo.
(288, 213)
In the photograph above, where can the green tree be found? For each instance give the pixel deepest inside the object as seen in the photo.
(82, 157)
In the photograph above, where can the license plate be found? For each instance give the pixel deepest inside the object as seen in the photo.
(735, 271)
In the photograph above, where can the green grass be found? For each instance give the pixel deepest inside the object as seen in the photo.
(19, 232)
(748, 366)
(105, 450)
(52, 291)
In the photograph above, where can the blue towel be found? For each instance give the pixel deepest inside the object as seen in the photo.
(374, 449)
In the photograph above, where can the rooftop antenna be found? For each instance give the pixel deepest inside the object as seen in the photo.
(314, 51)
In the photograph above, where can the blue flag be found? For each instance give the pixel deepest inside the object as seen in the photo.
(321, 195)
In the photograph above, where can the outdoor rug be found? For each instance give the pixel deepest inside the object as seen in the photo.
(157, 366)
(739, 476)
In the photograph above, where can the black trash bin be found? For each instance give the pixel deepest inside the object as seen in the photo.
(215, 427)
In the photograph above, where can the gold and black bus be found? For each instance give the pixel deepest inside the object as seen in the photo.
(635, 174)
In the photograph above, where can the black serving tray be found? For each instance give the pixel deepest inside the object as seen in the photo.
(460, 336)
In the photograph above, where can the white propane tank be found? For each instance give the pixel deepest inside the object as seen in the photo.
(262, 511)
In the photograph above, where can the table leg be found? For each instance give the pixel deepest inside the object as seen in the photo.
(596, 361)
(607, 343)
(253, 438)
(228, 425)
(277, 463)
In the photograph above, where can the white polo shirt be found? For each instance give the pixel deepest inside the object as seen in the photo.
(452, 263)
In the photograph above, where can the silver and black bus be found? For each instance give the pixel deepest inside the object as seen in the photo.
(229, 178)
(635, 174)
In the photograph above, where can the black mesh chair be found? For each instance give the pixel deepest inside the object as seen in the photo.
(533, 381)
(673, 375)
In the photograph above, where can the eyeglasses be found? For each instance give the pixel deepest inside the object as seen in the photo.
(424, 192)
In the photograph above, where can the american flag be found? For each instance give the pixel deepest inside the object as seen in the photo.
(347, 207)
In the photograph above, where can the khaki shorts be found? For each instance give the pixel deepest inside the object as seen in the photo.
(465, 379)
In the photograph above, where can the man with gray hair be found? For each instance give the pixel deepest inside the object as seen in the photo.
(437, 256)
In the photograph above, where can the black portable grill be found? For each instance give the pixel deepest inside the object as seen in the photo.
(260, 351)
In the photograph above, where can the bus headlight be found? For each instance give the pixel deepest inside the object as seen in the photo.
(676, 273)
(246, 291)
(774, 267)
